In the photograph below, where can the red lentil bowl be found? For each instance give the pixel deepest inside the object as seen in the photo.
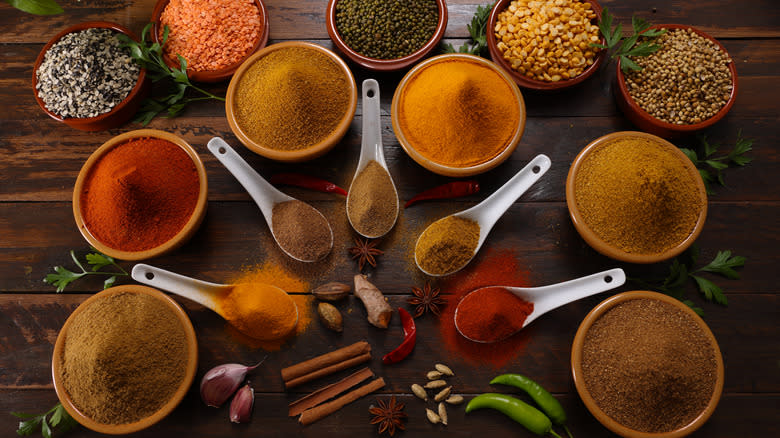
(211, 76)
(122, 112)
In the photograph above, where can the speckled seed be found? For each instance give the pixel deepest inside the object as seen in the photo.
(454, 400)
(433, 417)
(435, 384)
(419, 392)
(443, 394)
(433, 375)
(443, 414)
(444, 369)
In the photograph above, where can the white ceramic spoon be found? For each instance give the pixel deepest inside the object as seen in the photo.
(487, 212)
(202, 292)
(264, 194)
(547, 298)
(371, 146)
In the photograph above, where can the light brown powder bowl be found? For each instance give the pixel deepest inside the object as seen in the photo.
(590, 403)
(608, 249)
(176, 241)
(167, 408)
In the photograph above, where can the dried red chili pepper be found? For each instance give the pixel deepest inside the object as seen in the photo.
(453, 189)
(307, 182)
(410, 339)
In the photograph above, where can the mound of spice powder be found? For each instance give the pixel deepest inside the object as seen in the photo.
(447, 245)
(211, 34)
(372, 203)
(125, 355)
(301, 230)
(649, 365)
(491, 314)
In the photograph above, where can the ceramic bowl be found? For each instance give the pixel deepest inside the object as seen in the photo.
(313, 151)
(607, 248)
(439, 168)
(210, 75)
(167, 408)
(587, 398)
(386, 64)
(525, 81)
(176, 241)
(644, 121)
(121, 113)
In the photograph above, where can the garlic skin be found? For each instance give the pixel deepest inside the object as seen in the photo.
(241, 406)
(221, 382)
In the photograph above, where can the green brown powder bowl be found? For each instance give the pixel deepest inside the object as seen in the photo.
(124, 359)
(647, 366)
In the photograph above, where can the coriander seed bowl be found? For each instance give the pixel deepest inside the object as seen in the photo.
(120, 113)
(649, 123)
(379, 64)
(531, 51)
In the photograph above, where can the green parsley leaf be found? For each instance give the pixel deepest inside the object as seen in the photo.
(627, 46)
(478, 32)
(62, 276)
(724, 265)
(37, 7)
(710, 290)
(59, 419)
(711, 165)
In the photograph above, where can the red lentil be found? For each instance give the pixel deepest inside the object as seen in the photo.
(211, 34)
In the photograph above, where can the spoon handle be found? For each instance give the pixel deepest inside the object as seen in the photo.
(371, 142)
(201, 292)
(573, 290)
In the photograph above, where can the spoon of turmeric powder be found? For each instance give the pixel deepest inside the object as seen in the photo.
(260, 311)
(449, 244)
(494, 313)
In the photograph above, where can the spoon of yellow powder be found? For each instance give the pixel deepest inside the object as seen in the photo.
(258, 310)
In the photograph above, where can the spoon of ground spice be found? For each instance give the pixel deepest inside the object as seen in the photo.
(372, 203)
(449, 244)
(258, 310)
(299, 229)
(492, 314)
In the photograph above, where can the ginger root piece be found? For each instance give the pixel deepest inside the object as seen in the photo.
(379, 311)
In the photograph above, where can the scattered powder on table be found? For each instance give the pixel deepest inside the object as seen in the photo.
(649, 366)
(301, 230)
(372, 202)
(211, 34)
(124, 357)
(447, 245)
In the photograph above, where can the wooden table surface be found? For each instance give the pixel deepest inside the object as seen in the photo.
(40, 158)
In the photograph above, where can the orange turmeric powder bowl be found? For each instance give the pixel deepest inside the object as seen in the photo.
(140, 202)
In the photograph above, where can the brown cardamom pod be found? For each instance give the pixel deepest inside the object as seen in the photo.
(331, 292)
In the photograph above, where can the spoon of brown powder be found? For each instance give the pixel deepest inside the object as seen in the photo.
(299, 229)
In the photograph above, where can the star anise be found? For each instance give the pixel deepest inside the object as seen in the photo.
(390, 416)
(426, 299)
(365, 251)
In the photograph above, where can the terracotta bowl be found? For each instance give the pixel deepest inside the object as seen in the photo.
(450, 170)
(644, 121)
(607, 248)
(313, 151)
(385, 64)
(211, 75)
(176, 241)
(525, 81)
(587, 398)
(121, 113)
(167, 408)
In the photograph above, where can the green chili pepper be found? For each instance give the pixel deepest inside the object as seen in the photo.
(544, 399)
(525, 414)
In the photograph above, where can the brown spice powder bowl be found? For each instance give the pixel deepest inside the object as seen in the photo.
(608, 249)
(587, 398)
(176, 241)
(646, 122)
(168, 407)
(121, 113)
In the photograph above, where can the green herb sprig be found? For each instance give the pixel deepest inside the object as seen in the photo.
(477, 31)
(149, 55)
(37, 7)
(681, 270)
(627, 46)
(711, 167)
(97, 260)
(55, 418)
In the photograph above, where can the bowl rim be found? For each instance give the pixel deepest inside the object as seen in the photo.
(186, 232)
(533, 84)
(169, 406)
(221, 74)
(84, 121)
(590, 403)
(442, 169)
(648, 118)
(607, 248)
(311, 152)
(377, 64)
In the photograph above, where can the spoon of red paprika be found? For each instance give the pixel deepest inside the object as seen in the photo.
(492, 314)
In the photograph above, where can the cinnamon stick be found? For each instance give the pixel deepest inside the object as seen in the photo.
(349, 363)
(325, 360)
(328, 392)
(319, 412)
